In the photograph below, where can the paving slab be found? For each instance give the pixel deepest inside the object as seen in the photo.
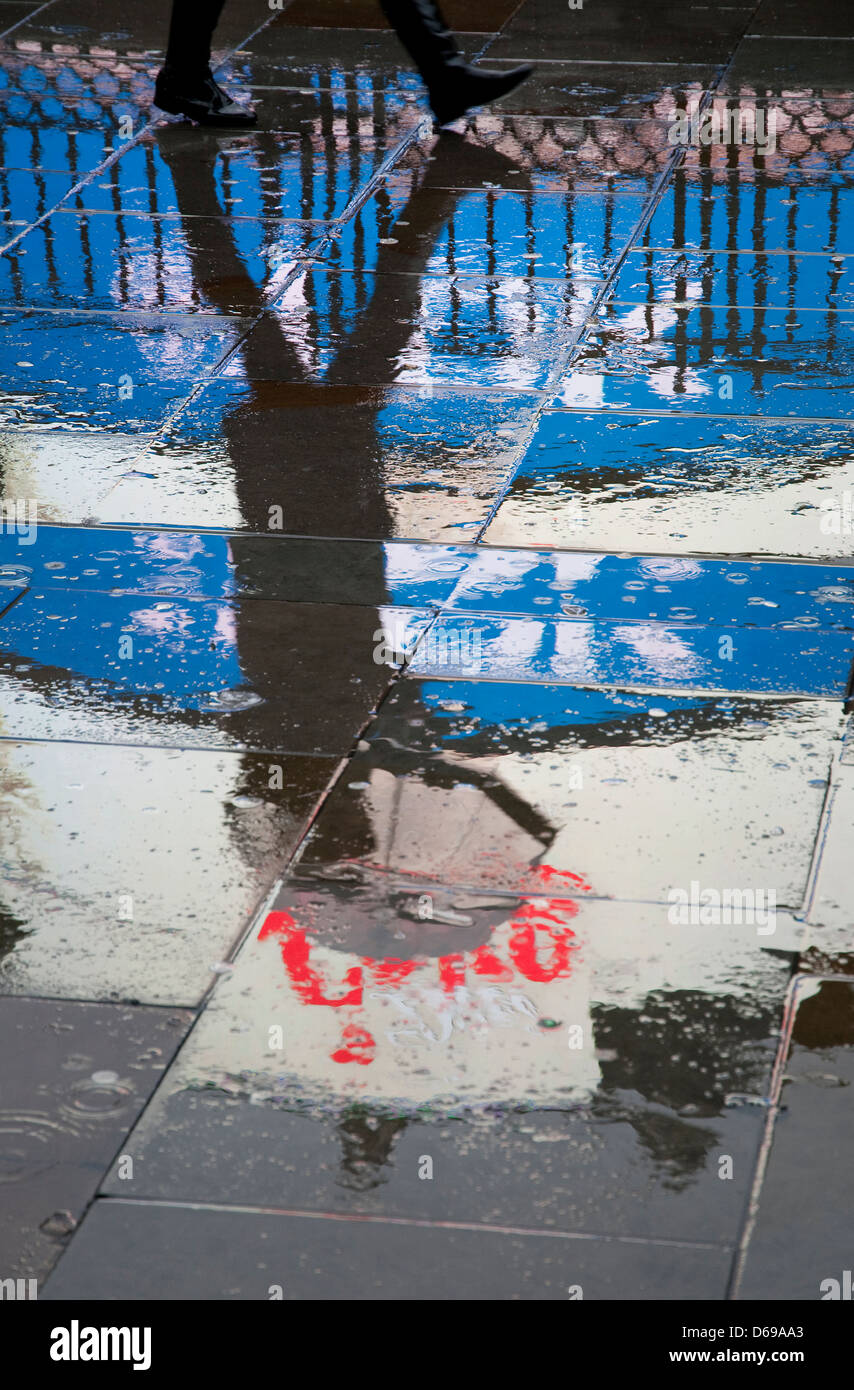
(772, 281)
(789, 18)
(196, 673)
(614, 32)
(74, 1078)
(772, 62)
(513, 778)
(727, 214)
(63, 111)
(688, 486)
(324, 459)
(211, 565)
(355, 1038)
(59, 474)
(220, 1254)
(802, 1200)
(487, 331)
(739, 361)
(659, 656)
(93, 27)
(123, 373)
(552, 154)
(599, 88)
(86, 918)
(118, 261)
(577, 236)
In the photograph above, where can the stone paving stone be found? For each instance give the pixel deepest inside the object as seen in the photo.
(62, 111)
(118, 261)
(104, 372)
(549, 154)
(770, 280)
(800, 1247)
(475, 331)
(753, 216)
(94, 27)
(637, 655)
(792, 19)
(681, 486)
(348, 113)
(26, 196)
(477, 16)
(600, 89)
(536, 1042)
(303, 172)
(739, 361)
(576, 237)
(291, 55)
(614, 32)
(509, 778)
(337, 460)
(86, 916)
(196, 673)
(728, 593)
(207, 565)
(773, 63)
(73, 1078)
(831, 930)
(62, 472)
(145, 1251)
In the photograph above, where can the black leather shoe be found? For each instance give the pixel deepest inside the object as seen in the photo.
(460, 87)
(200, 99)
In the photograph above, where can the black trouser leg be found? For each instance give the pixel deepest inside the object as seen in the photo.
(422, 30)
(190, 33)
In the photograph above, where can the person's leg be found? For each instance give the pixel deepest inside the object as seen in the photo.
(190, 33)
(185, 85)
(453, 85)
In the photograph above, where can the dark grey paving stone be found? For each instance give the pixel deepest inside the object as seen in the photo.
(306, 170)
(68, 469)
(143, 1251)
(63, 112)
(633, 90)
(477, 16)
(575, 236)
(87, 916)
(770, 65)
(98, 27)
(187, 673)
(331, 460)
(800, 1247)
(608, 654)
(719, 212)
(73, 1078)
(614, 31)
(628, 1165)
(297, 52)
(544, 153)
(26, 195)
(832, 18)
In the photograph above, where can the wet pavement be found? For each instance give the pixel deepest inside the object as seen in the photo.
(426, 640)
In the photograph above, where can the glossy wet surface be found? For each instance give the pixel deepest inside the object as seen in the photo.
(426, 632)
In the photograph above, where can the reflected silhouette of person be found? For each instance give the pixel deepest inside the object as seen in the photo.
(186, 86)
